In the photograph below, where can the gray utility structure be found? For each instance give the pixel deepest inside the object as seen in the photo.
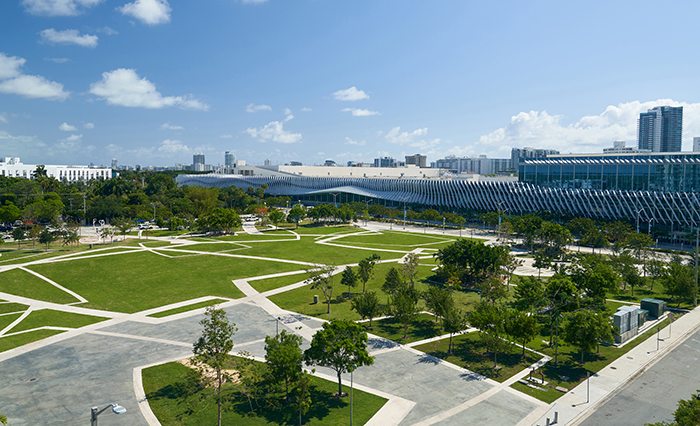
(626, 321)
(655, 307)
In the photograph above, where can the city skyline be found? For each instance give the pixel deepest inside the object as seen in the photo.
(87, 81)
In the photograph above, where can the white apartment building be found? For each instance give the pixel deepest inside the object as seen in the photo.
(13, 167)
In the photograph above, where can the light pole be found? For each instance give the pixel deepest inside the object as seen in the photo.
(94, 412)
(334, 194)
(171, 220)
(499, 219)
(638, 211)
(650, 220)
(352, 368)
(154, 212)
(404, 211)
(277, 325)
(697, 246)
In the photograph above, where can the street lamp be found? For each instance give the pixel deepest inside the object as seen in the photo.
(650, 220)
(352, 368)
(638, 211)
(94, 412)
(154, 212)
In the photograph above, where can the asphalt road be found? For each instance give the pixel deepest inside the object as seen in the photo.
(653, 396)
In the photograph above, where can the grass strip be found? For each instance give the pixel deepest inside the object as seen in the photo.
(186, 308)
(11, 342)
(49, 317)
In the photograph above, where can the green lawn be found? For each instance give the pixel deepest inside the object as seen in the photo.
(119, 283)
(469, 352)
(424, 327)
(6, 320)
(12, 307)
(569, 366)
(395, 240)
(301, 299)
(11, 342)
(48, 317)
(659, 292)
(163, 386)
(277, 282)
(187, 308)
(21, 283)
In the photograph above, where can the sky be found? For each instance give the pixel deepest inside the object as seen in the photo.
(152, 82)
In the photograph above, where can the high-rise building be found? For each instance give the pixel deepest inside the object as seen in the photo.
(229, 160)
(418, 160)
(198, 162)
(520, 153)
(115, 164)
(477, 164)
(385, 162)
(696, 144)
(660, 129)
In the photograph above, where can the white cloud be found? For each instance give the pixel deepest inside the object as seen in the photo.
(89, 125)
(107, 31)
(57, 60)
(72, 138)
(588, 135)
(34, 86)
(287, 111)
(68, 37)
(226, 136)
(275, 132)
(256, 108)
(10, 66)
(150, 12)
(124, 87)
(3, 117)
(351, 94)
(410, 139)
(170, 148)
(305, 109)
(168, 126)
(12, 81)
(356, 112)
(349, 141)
(58, 7)
(67, 127)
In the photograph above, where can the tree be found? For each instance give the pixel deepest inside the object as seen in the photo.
(404, 306)
(585, 328)
(341, 346)
(34, 233)
(303, 394)
(594, 276)
(276, 216)
(472, 261)
(321, 277)
(510, 264)
(529, 294)
(392, 281)
(297, 213)
(283, 357)
(410, 267)
(687, 413)
(213, 347)
(46, 237)
(365, 269)
(3, 419)
(123, 225)
(349, 279)
(454, 320)
(522, 327)
(490, 318)
(492, 289)
(656, 269)
(18, 235)
(542, 260)
(437, 300)
(679, 280)
(367, 306)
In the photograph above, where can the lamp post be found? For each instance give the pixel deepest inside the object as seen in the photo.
(94, 412)
(277, 325)
(638, 211)
(697, 246)
(352, 368)
(171, 220)
(154, 212)
(650, 220)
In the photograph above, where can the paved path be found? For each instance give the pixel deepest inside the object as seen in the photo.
(57, 380)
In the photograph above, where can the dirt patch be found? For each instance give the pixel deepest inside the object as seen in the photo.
(209, 373)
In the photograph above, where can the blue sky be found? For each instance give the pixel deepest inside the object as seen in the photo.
(153, 81)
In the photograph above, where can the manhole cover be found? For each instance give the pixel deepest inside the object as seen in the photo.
(613, 368)
(32, 379)
(629, 357)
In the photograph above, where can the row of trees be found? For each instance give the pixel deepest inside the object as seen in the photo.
(341, 345)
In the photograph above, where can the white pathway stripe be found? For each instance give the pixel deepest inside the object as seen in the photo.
(55, 284)
(45, 327)
(17, 321)
(38, 304)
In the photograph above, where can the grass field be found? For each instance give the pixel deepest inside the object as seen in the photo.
(187, 308)
(395, 240)
(163, 386)
(6, 320)
(17, 340)
(277, 282)
(21, 283)
(118, 283)
(424, 327)
(12, 307)
(48, 317)
(469, 352)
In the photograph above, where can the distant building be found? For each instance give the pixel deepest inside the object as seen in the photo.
(198, 162)
(696, 144)
(516, 154)
(229, 160)
(620, 148)
(13, 167)
(480, 164)
(660, 129)
(385, 162)
(295, 163)
(418, 160)
(329, 163)
(115, 164)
